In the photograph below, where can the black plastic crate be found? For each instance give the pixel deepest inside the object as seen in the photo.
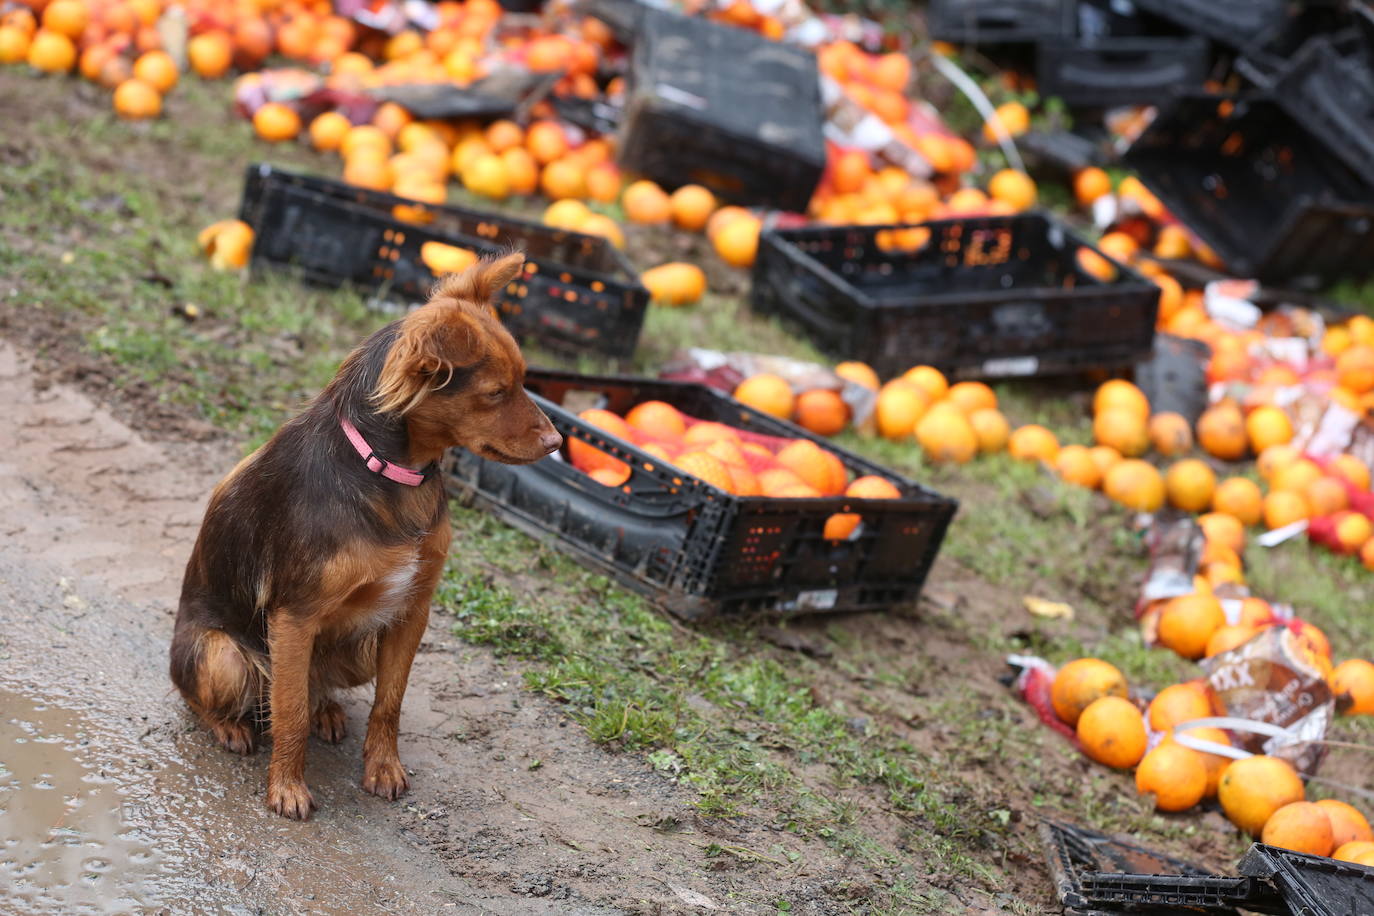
(1235, 23)
(1120, 71)
(723, 107)
(1328, 87)
(577, 292)
(997, 22)
(982, 297)
(1312, 885)
(1262, 192)
(697, 550)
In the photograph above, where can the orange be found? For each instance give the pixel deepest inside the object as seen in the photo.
(504, 134)
(1112, 732)
(776, 481)
(1223, 527)
(929, 379)
(722, 218)
(814, 465)
(1227, 638)
(1172, 243)
(1177, 704)
(566, 214)
(1254, 788)
(446, 259)
(1221, 431)
(1275, 457)
(1353, 531)
(1075, 465)
(691, 206)
(1283, 508)
(1240, 498)
(1118, 246)
(1301, 826)
(1310, 636)
(522, 174)
(51, 52)
(328, 131)
(1121, 394)
(1189, 485)
(1348, 825)
(274, 121)
(1080, 682)
(1170, 434)
(389, 118)
(1355, 677)
(646, 203)
(562, 179)
(707, 468)
(1188, 622)
(1256, 612)
(674, 283)
(1134, 484)
(1297, 476)
(737, 242)
(157, 69)
(585, 456)
(966, 200)
(945, 435)
(14, 44)
(1123, 430)
(768, 393)
(1105, 457)
(1355, 368)
(366, 170)
(708, 432)
(1351, 469)
(657, 420)
(1268, 426)
(1214, 763)
(1170, 296)
(971, 396)
(364, 136)
(135, 100)
(1090, 184)
(870, 486)
(227, 243)
(858, 373)
(821, 411)
(66, 17)
(1014, 188)
(1367, 555)
(210, 54)
(742, 480)
(900, 405)
(610, 477)
(603, 183)
(1013, 117)
(1327, 496)
(1175, 775)
(991, 428)
(849, 170)
(1033, 443)
(1358, 851)
(546, 141)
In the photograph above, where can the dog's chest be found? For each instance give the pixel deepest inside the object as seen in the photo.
(384, 601)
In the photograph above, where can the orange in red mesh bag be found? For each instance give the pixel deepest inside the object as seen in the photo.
(1277, 678)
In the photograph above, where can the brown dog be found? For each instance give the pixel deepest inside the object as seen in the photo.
(319, 553)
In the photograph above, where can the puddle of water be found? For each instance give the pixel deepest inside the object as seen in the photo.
(66, 844)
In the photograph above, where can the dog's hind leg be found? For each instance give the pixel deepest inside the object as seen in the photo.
(327, 718)
(220, 682)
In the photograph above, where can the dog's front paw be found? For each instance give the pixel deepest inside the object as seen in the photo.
(385, 777)
(290, 799)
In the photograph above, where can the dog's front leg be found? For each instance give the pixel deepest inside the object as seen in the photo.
(291, 641)
(382, 771)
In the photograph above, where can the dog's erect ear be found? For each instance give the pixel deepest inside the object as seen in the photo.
(480, 282)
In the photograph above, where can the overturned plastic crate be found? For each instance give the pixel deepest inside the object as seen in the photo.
(577, 292)
(1328, 88)
(1120, 71)
(981, 297)
(997, 22)
(1235, 23)
(1270, 199)
(723, 107)
(695, 549)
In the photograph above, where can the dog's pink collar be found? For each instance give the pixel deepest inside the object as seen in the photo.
(408, 476)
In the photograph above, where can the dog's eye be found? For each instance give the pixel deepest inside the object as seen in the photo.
(496, 395)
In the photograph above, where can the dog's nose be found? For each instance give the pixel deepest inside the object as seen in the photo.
(550, 441)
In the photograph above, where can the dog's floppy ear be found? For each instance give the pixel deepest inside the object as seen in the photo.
(482, 281)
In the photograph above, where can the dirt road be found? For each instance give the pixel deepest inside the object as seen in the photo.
(115, 802)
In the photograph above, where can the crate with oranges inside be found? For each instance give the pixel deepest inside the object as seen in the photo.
(710, 506)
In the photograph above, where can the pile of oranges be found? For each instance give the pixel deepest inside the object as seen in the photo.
(736, 461)
(1260, 794)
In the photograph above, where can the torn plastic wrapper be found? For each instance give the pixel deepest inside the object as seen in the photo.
(724, 371)
(1276, 679)
(1033, 679)
(1175, 543)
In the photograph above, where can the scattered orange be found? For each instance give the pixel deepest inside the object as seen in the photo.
(946, 435)
(1283, 508)
(1221, 431)
(1091, 183)
(1240, 498)
(645, 202)
(821, 411)
(991, 428)
(210, 54)
(157, 69)
(1105, 457)
(1190, 484)
(561, 179)
(737, 242)
(1274, 458)
(1296, 476)
(1223, 527)
(674, 283)
(1013, 117)
(1080, 682)
(135, 100)
(1188, 622)
(1327, 496)
(1353, 531)
(1014, 188)
(1112, 732)
(1348, 825)
(1355, 368)
(1175, 775)
(1119, 246)
(768, 393)
(1134, 484)
(1170, 434)
(1214, 763)
(1301, 826)
(274, 121)
(1123, 430)
(1351, 469)
(1268, 426)
(929, 379)
(1121, 394)
(51, 52)
(858, 373)
(328, 130)
(546, 141)
(1359, 852)
(900, 405)
(14, 44)
(971, 396)
(1074, 464)
(504, 134)
(66, 17)
(1355, 677)
(1177, 704)
(1227, 638)
(1033, 443)
(1253, 788)
(691, 206)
